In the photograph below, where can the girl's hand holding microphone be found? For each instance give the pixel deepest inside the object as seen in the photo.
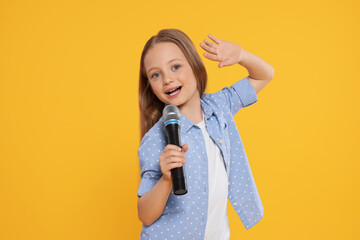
(151, 205)
(172, 157)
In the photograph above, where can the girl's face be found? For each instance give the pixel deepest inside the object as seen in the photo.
(170, 75)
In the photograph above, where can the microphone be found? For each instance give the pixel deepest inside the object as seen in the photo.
(171, 118)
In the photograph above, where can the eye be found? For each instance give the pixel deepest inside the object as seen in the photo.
(155, 75)
(177, 66)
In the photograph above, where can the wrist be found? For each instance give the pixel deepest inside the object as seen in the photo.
(167, 181)
(242, 57)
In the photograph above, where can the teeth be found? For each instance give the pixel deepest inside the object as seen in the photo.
(173, 90)
(173, 93)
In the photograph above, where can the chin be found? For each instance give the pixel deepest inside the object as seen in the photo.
(176, 102)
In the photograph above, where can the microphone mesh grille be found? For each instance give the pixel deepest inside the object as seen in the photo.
(171, 112)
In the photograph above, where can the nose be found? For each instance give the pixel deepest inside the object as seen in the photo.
(168, 78)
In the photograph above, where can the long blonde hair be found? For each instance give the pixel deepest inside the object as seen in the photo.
(150, 106)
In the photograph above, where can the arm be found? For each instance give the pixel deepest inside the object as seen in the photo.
(151, 205)
(260, 72)
(228, 53)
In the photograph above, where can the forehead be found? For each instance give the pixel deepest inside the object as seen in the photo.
(161, 53)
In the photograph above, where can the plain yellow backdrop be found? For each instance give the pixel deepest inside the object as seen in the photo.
(69, 118)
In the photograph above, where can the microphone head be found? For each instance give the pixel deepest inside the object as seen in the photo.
(171, 112)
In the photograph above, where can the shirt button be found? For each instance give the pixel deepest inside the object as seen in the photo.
(220, 141)
(235, 204)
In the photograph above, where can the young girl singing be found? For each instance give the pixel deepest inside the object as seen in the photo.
(212, 153)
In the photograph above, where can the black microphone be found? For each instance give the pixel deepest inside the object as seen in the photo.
(171, 118)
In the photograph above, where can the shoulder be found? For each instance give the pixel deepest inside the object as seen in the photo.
(155, 137)
(239, 95)
(217, 102)
(216, 98)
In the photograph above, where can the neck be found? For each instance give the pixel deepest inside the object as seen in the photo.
(192, 111)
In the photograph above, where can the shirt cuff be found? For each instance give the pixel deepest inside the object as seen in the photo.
(245, 91)
(147, 182)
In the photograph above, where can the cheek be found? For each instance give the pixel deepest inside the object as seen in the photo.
(190, 78)
(193, 83)
(156, 89)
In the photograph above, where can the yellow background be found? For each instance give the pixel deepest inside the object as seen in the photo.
(69, 113)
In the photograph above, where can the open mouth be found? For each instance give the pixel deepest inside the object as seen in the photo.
(174, 91)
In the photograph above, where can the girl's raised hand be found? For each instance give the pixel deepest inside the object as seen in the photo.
(172, 157)
(227, 53)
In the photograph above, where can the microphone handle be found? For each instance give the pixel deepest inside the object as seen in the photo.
(172, 131)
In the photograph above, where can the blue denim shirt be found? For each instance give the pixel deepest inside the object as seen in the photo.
(185, 216)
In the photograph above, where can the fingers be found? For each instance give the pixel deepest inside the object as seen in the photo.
(207, 47)
(172, 147)
(172, 154)
(215, 39)
(173, 165)
(211, 48)
(168, 163)
(211, 56)
(172, 150)
(172, 157)
(166, 169)
(210, 44)
(184, 148)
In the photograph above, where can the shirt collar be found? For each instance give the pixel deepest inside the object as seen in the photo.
(208, 111)
(186, 124)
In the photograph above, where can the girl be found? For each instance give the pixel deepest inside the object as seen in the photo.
(212, 153)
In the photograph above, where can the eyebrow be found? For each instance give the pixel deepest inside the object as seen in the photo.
(168, 62)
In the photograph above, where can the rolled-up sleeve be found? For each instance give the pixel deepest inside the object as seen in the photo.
(240, 94)
(150, 169)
